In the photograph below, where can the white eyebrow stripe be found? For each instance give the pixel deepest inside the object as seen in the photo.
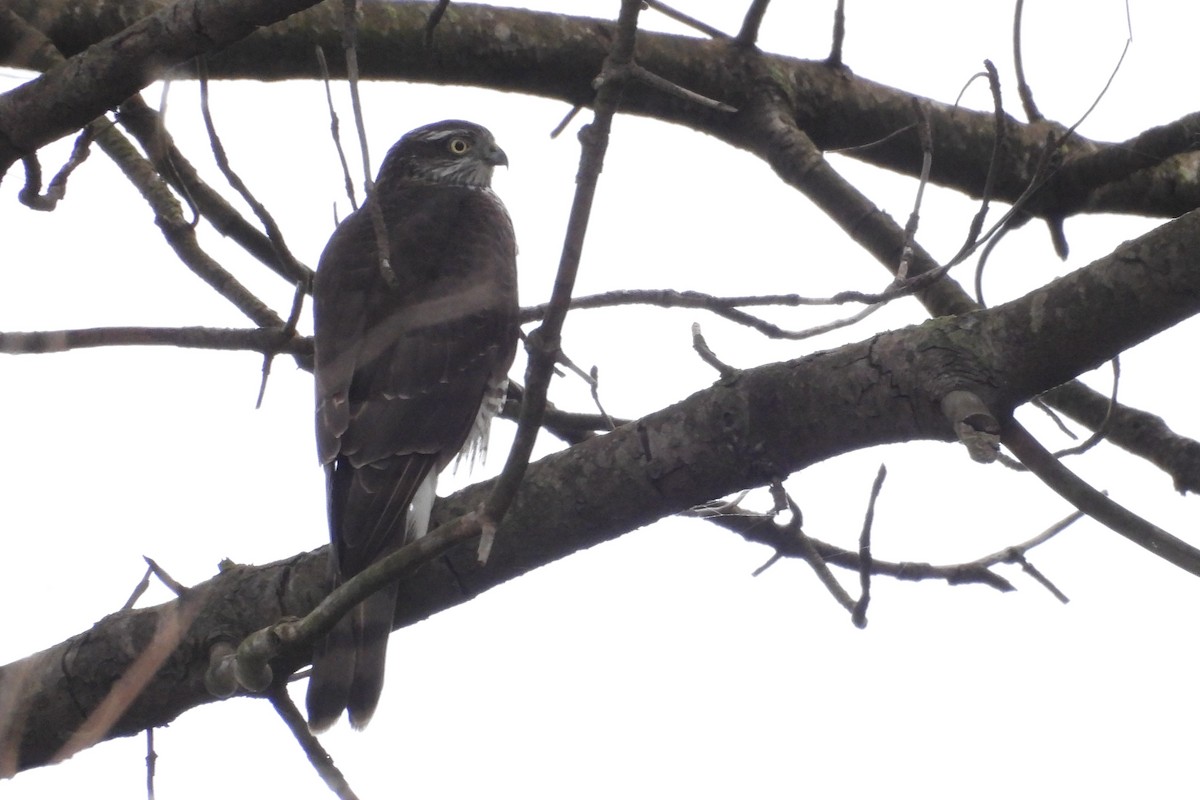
(434, 136)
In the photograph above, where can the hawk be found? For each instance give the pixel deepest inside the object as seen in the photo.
(412, 358)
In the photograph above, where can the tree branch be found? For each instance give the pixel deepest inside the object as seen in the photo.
(773, 420)
(69, 96)
(558, 56)
(261, 340)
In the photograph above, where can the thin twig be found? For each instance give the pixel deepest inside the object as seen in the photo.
(725, 306)
(151, 762)
(545, 341)
(691, 22)
(147, 126)
(350, 44)
(571, 427)
(670, 89)
(1101, 431)
(925, 135)
(759, 528)
(853, 148)
(1056, 418)
(815, 560)
(335, 128)
(249, 663)
(671, 298)
(166, 167)
(180, 235)
(274, 234)
(164, 577)
(859, 614)
(1037, 575)
(1095, 504)
(138, 590)
(566, 120)
(261, 340)
(57, 190)
(1026, 94)
(706, 354)
(595, 384)
(289, 330)
(1108, 83)
(998, 140)
(317, 755)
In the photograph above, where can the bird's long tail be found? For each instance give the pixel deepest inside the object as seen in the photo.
(348, 665)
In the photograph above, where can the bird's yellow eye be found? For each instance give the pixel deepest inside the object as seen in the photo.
(459, 146)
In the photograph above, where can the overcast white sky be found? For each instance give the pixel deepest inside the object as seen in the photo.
(655, 665)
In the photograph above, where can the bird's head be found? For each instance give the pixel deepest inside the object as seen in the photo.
(451, 152)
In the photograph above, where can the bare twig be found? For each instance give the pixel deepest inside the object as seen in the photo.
(752, 22)
(925, 134)
(726, 306)
(566, 120)
(691, 22)
(57, 190)
(151, 762)
(262, 340)
(180, 235)
(146, 125)
(1031, 109)
(571, 427)
(670, 89)
(998, 134)
(545, 341)
(317, 755)
(289, 330)
(1145, 435)
(808, 550)
(1101, 430)
(671, 298)
(335, 128)
(1078, 493)
(839, 35)
(760, 528)
(1037, 575)
(164, 577)
(875, 142)
(248, 665)
(859, 613)
(779, 142)
(138, 590)
(594, 374)
(278, 244)
(1108, 83)
(706, 354)
(1099, 433)
(1054, 218)
(350, 9)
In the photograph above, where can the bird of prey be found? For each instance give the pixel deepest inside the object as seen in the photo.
(412, 358)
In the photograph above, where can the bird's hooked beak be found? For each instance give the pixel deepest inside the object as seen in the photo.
(495, 157)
